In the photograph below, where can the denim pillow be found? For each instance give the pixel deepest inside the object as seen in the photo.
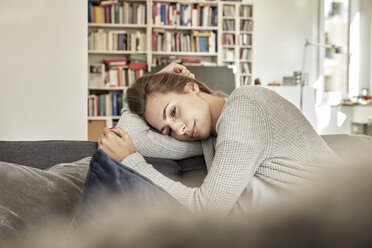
(107, 178)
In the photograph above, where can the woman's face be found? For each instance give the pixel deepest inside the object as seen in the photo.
(184, 116)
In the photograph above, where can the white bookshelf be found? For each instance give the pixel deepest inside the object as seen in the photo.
(214, 57)
(233, 17)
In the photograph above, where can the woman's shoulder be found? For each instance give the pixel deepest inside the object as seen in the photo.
(252, 92)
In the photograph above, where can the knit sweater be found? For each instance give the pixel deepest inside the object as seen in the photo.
(260, 134)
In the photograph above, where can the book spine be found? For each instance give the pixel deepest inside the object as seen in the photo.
(115, 104)
(116, 13)
(101, 105)
(90, 12)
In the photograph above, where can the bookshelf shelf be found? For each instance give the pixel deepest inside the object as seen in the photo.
(184, 53)
(185, 2)
(115, 52)
(246, 18)
(245, 46)
(105, 25)
(246, 32)
(102, 118)
(184, 27)
(246, 60)
(229, 46)
(107, 88)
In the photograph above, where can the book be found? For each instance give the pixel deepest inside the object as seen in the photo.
(101, 105)
(113, 77)
(108, 101)
(96, 75)
(115, 104)
(99, 16)
(90, 12)
(91, 105)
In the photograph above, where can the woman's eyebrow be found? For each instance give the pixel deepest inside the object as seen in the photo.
(164, 116)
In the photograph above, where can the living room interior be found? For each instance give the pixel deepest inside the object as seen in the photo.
(65, 68)
(45, 59)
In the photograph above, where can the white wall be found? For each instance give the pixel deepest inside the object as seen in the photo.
(43, 59)
(365, 43)
(280, 30)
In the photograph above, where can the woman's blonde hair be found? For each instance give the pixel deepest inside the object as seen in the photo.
(137, 93)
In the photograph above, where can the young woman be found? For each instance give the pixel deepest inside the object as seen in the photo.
(256, 144)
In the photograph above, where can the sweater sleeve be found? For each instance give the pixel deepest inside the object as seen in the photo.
(151, 143)
(242, 144)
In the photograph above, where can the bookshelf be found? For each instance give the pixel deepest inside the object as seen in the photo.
(236, 39)
(127, 38)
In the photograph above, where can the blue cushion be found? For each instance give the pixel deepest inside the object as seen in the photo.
(107, 177)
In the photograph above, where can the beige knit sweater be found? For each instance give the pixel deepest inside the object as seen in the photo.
(259, 134)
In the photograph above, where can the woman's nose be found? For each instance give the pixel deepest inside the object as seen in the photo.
(179, 127)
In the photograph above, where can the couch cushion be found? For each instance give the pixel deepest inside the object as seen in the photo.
(352, 148)
(43, 154)
(29, 196)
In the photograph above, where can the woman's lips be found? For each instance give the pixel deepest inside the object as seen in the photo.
(194, 131)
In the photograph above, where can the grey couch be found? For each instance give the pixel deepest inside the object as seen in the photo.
(29, 196)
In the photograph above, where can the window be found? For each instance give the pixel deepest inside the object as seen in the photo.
(336, 34)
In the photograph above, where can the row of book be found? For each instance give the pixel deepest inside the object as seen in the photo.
(228, 25)
(115, 12)
(245, 53)
(118, 73)
(245, 68)
(245, 39)
(184, 14)
(106, 104)
(246, 25)
(228, 39)
(245, 80)
(228, 54)
(246, 11)
(116, 41)
(165, 60)
(195, 41)
(228, 10)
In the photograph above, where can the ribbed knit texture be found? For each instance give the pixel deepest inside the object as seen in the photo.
(259, 133)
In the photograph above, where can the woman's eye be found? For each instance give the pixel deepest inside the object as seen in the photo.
(170, 131)
(174, 112)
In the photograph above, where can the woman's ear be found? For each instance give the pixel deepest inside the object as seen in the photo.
(191, 87)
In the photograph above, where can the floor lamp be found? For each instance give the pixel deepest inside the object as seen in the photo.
(316, 44)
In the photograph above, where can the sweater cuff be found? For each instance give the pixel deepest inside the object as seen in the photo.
(133, 160)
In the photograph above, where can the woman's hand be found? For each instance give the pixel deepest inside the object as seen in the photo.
(116, 143)
(178, 69)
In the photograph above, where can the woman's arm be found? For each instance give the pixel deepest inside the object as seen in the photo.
(151, 143)
(242, 145)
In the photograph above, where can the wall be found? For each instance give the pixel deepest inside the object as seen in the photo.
(363, 62)
(280, 30)
(365, 43)
(42, 66)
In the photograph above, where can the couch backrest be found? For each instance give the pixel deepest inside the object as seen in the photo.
(43, 154)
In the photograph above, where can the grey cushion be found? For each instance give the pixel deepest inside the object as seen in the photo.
(43, 154)
(29, 196)
(352, 148)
